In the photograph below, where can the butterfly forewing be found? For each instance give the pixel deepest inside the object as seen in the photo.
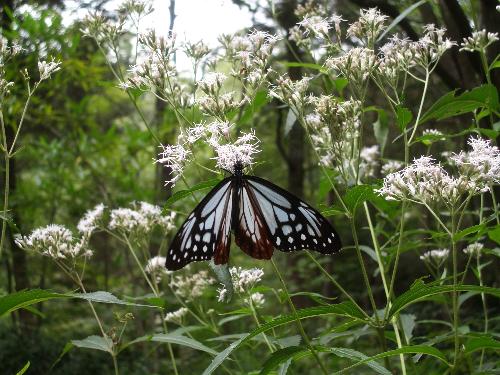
(252, 235)
(292, 224)
(206, 231)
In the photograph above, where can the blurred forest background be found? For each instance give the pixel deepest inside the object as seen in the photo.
(83, 143)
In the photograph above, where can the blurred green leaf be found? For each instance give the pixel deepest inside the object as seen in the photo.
(381, 129)
(403, 117)
(494, 234)
(95, 342)
(449, 105)
(293, 64)
(479, 343)
(181, 194)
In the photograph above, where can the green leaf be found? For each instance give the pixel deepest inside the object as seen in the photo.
(340, 84)
(401, 17)
(414, 349)
(381, 129)
(18, 300)
(464, 233)
(281, 356)
(24, 369)
(95, 342)
(408, 322)
(493, 234)
(173, 338)
(291, 118)
(357, 195)
(404, 117)
(421, 291)
(479, 343)
(24, 298)
(184, 193)
(347, 309)
(449, 105)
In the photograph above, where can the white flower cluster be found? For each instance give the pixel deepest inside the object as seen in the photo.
(368, 27)
(390, 166)
(156, 267)
(192, 286)
(243, 281)
(481, 165)
(437, 255)
(175, 158)
(143, 218)
(369, 161)
(91, 220)
(46, 68)
(249, 56)
(292, 93)
(55, 241)
(478, 41)
(356, 65)
(424, 181)
(176, 316)
(474, 249)
(196, 50)
(239, 152)
(256, 299)
(102, 29)
(7, 51)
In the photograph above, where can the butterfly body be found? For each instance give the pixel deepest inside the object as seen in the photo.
(262, 217)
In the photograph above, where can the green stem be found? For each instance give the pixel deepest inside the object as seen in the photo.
(485, 307)
(424, 93)
(297, 320)
(455, 293)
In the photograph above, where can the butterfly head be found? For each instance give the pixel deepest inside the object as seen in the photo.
(238, 169)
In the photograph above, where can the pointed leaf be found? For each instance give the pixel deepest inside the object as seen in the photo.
(95, 342)
(181, 194)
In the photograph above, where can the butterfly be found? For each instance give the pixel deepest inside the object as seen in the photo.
(262, 216)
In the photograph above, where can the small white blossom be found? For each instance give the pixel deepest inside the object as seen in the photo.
(479, 41)
(437, 255)
(243, 281)
(176, 316)
(356, 65)
(175, 158)
(474, 249)
(481, 164)
(369, 160)
(390, 166)
(239, 152)
(125, 219)
(91, 220)
(212, 82)
(257, 299)
(369, 25)
(46, 68)
(55, 241)
(192, 286)
(315, 25)
(156, 267)
(293, 93)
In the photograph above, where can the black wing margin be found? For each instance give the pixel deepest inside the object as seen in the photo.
(206, 232)
(292, 224)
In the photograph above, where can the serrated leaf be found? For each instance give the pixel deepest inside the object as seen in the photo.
(357, 195)
(449, 105)
(95, 342)
(181, 194)
(479, 229)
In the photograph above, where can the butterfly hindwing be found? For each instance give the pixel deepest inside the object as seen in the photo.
(292, 224)
(206, 231)
(251, 231)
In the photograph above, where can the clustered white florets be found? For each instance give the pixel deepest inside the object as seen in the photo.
(239, 152)
(91, 220)
(478, 41)
(46, 68)
(192, 286)
(175, 158)
(55, 241)
(437, 256)
(143, 218)
(474, 249)
(424, 181)
(176, 316)
(156, 267)
(243, 281)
